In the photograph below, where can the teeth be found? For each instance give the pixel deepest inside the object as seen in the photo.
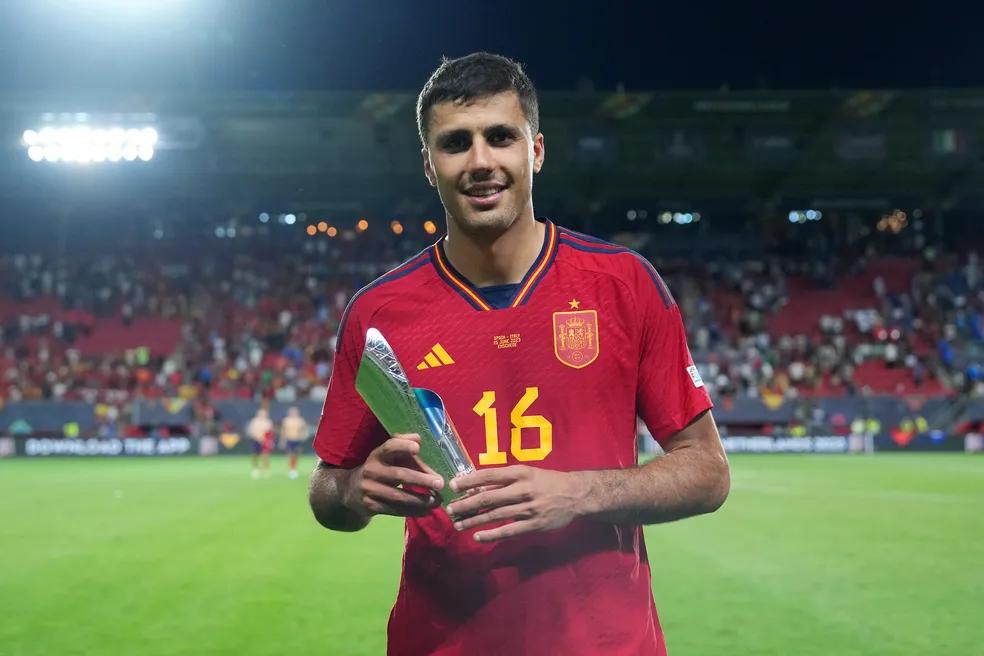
(487, 192)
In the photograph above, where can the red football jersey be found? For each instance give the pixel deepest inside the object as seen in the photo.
(591, 339)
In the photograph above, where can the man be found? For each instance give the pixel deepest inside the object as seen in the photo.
(544, 344)
(293, 432)
(260, 431)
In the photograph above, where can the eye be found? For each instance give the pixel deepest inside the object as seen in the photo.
(455, 144)
(501, 137)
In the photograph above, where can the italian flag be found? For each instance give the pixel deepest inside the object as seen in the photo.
(949, 141)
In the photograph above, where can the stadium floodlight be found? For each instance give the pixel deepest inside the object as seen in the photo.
(802, 216)
(85, 144)
(148, 136)
(290, 219)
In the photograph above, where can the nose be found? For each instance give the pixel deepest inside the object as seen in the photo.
(480, 160)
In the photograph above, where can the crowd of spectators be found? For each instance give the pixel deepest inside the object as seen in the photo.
(260, 324)
(244, 325)
(926, 325)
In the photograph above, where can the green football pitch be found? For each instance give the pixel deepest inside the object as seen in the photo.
(825, 555)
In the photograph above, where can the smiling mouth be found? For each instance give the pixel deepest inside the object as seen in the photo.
(485, 199)
(485, 192)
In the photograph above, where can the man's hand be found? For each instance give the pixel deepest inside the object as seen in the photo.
(380, 485)
(533, 499)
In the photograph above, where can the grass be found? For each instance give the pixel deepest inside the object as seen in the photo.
(811, 555)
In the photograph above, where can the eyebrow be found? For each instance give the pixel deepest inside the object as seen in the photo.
(444, 137)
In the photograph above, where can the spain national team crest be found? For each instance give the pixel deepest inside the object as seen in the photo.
(575, 336)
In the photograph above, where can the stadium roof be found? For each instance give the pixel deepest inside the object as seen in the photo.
(746, 149)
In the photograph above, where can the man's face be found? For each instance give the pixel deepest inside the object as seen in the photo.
(481, 156)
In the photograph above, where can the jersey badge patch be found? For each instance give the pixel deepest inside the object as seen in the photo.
(575, 337)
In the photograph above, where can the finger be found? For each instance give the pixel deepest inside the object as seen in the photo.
(487, 500)
(427, 469)
(394, 476)
(424, 467)
(377, 507)
(421, 465)
(397, 447)
(513, 512)
(482, 488)
(492, 476)
(386, 494)
(507, 531)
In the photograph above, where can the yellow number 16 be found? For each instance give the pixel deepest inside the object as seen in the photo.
(492, 455)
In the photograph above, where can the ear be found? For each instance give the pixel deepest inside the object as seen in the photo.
(428, 170)
(539, 152)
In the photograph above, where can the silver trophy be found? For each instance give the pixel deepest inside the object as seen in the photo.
(401, 408)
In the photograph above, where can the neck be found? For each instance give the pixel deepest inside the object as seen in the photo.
(500, 259)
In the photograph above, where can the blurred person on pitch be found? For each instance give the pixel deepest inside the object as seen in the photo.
(260, 431)
(293, 431)
(545, 344)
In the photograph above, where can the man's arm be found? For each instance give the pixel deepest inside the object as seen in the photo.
(692, 478)
(327, 493)
(346, 499)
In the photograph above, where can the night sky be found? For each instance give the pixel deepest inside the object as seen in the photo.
(60, 46)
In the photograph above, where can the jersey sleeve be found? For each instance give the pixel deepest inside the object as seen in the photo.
(347, 431)
(670, 392)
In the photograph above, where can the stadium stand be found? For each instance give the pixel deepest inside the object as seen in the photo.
(187, 338)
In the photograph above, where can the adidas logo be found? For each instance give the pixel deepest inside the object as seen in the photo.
(436, 357)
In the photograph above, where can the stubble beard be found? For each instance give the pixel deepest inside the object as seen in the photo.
(486, 225)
